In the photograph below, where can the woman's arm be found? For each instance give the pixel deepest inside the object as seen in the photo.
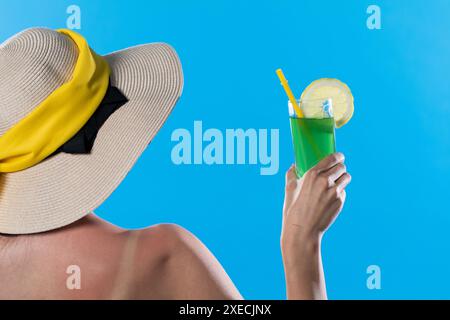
(311, 205)
(182, 267)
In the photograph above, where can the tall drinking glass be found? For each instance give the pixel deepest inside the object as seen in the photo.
(312, 136)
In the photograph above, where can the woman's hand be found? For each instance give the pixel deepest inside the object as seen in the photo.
(313, 203)
(310, 207)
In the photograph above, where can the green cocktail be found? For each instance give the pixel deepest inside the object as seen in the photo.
(313, 140)
(325, 104)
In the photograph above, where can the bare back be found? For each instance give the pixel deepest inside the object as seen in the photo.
(111, 264)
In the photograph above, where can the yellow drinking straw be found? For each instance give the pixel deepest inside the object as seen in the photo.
(298, 110)
(289, 93)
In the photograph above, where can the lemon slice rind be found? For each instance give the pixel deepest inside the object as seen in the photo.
(339, 92)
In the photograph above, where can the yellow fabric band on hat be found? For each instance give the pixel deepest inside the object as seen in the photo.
(60, 116)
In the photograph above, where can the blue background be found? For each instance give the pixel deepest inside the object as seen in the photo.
(397, 144)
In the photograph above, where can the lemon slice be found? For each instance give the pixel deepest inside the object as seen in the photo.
(338, 92)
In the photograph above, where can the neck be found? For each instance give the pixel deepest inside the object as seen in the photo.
(11, 247)
(7, 240)
(13, 243)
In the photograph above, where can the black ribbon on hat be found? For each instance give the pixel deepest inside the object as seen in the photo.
(83, 141)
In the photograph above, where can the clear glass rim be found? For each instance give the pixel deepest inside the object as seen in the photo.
(303, 101)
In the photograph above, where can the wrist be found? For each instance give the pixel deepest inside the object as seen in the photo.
(299, 245)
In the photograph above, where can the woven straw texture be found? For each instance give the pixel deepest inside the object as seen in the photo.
(66, 187)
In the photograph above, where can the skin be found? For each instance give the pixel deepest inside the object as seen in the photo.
(166, 261)
(311, 206)
(161, 262)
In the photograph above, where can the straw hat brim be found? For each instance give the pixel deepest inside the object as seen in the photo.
(67, 187)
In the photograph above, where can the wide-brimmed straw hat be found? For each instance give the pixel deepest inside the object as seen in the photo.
(42, 189)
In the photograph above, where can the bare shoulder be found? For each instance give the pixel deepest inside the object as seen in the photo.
(164, 243)
(92, 259)
(156, 247)
(114, 263)
(166, 239)
(174, 264)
